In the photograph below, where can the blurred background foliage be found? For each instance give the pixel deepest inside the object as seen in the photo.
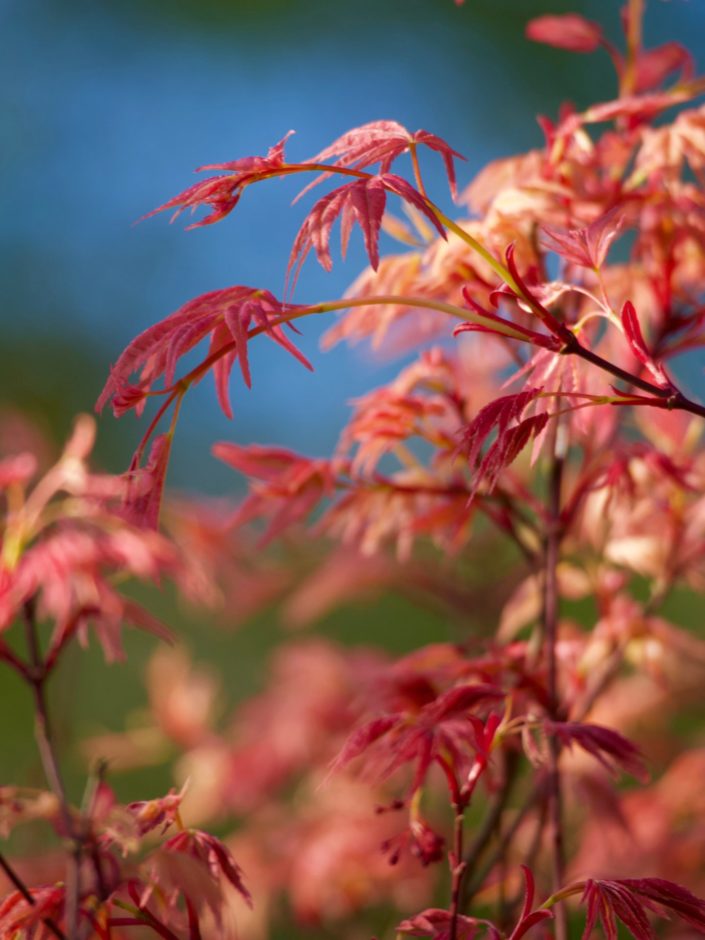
(106, 111)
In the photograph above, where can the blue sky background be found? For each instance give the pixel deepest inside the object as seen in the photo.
(108, 107)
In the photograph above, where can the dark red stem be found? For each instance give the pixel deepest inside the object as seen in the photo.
(550, 639)
(671, 397)
(36, 677)
(12, 875)
(457, 868)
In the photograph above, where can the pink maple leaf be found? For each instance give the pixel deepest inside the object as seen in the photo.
(606, 745)
(382, 142)
(632, 330)
(587, 247)
(567, 31)
(212, 855)
(503, 416)
(226, 316)
(424, 727)
(653, 66)
(437, 924)
(628, 899)
(528, 917)
(22, 917)
(222, 193)
(362, 202)
(288, 486)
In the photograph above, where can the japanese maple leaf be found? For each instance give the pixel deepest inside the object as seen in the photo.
(503, 416)
(362, 202)
(628, 899)
(635, 338)
(222, 193)
(426, 727)
(37, 917)
(653, 66)
(436, 924)
(286, 486)
(529, 917)
(382, 142)
(226, 316)
(586, 247)
(567, 31)
(212, 855)
(67, 572)
(607, 746)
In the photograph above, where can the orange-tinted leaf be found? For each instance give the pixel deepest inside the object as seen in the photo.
(568, 31)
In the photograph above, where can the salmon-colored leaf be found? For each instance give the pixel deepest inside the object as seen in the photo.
(227, 316)
(606, 745)
(586, 247)
(567, 31)
(632, 330)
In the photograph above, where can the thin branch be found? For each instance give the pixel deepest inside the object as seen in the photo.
(36, 677)
(537, 793)
(12, 875)
(490, 825)
(550, 641)
(457, 863)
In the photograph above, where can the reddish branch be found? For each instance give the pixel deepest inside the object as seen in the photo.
(550, 637)
(36, 677)
(15, 879)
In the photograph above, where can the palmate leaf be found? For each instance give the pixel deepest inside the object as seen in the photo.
(628, 900)
(502, 416)
(586, 247)
(362, 202)
(635, 338)
(436, 924)
(382, 142)
(442, 729)
(529, 917)
(606, 745)
(653, 66)
(286, 487)
(222, 193)
(568, 31)
(225, 316)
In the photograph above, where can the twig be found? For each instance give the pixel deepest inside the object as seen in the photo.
(537, 793)
(457, 868)
(490, 825)
(37, 676)
(550, 639)
(12, 875)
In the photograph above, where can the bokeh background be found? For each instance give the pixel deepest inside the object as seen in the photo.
(106, 110)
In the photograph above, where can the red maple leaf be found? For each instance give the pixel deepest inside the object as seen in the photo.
(529, 917)
(226, 316)
(606, 745)
(567, 31)
(424, 727)
(587, 247)
(287, 486)
(503, 416)
(382, 142)
(222, 193)
(362, 202)
(628, 899)
(653, 66)
(632, 330)
(436, 923)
